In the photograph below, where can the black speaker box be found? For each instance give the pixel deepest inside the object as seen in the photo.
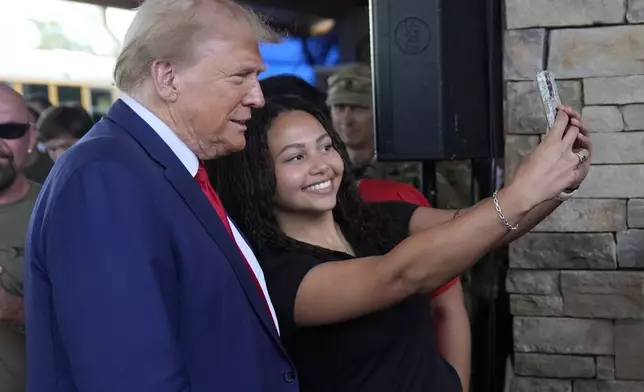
(437, 79)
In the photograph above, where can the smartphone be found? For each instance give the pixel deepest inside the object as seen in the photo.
(549, 95)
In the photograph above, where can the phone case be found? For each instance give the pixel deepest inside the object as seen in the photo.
(549, 95)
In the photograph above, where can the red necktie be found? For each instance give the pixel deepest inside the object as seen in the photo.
(213, 197)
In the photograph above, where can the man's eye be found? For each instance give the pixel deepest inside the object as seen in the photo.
(240, 78)
(245, 74)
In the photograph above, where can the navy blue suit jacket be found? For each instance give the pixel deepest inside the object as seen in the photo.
(133, 283)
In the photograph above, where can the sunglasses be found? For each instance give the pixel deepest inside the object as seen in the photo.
(10, 131)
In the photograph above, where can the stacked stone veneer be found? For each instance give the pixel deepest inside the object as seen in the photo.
(577, 281)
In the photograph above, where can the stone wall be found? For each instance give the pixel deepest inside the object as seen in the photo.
(577, 281)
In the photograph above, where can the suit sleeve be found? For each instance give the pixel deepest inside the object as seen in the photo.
(114, 284)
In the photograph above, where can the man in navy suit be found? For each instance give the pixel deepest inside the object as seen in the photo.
(135, 278)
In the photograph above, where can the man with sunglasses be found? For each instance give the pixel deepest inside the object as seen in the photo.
(17, 198)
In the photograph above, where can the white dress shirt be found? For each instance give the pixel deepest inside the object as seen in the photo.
(191, 162)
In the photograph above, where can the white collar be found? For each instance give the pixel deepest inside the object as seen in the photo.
(185, 155)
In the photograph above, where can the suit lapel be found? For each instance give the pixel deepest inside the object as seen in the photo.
(196, 200)
(208, 217)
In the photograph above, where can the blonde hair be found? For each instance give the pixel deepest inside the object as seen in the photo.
(163, 29)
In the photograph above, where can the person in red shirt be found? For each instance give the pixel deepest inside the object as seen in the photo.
(447, 304)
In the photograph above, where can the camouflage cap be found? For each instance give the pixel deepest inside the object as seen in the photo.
(350, 85)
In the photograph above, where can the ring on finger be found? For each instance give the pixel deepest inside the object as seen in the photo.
(582, 157)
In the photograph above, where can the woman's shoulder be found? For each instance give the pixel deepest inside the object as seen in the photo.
(397, 210)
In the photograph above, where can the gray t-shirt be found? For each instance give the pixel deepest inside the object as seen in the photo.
(14, 220)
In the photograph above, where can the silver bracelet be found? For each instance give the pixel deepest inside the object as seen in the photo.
(501, 216)
(563, 196)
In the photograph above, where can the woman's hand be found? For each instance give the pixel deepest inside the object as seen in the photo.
(582, 143)
(554, 166)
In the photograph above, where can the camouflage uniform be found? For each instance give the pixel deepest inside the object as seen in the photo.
(453, 179)
(407, 172)
(351, 85)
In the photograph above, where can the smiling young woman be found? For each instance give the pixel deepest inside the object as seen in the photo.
(349, 280)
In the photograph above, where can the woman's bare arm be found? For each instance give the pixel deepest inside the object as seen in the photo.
(338, 291)
(425, 218)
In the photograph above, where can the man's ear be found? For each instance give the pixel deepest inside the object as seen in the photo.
(33, 137)
(164, 79)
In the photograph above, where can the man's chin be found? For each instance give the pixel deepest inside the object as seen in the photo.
(7, 178)
(237, 146)
(228, 149)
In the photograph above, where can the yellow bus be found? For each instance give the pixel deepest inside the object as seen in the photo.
(95, 98)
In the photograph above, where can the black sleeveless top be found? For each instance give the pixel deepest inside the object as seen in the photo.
(392, 350)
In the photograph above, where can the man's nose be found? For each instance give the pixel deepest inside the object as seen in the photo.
(255, 97)
(5, 151)
(347, 114)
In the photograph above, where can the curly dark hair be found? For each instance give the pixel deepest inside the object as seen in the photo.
(245, 182)
(280, 85)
